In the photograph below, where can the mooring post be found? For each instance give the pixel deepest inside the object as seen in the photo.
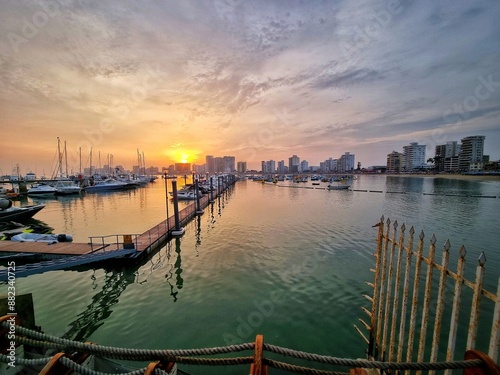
(258, 367)
(166, 197)
(178, 231)
(212, 189)
(199, 211)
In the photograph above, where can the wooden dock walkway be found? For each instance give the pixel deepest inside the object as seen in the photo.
(102, 247)
(58, 248)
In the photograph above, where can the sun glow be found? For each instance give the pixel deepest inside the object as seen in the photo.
(178, 155)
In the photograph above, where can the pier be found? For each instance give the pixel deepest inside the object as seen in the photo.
(60, 255)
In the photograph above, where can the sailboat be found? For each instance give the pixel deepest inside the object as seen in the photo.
(64, 185)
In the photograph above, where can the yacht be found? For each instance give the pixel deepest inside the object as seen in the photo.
(65, 187)
(42, 190)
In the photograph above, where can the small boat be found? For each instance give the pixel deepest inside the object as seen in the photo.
(19, 214)
(40, 237)
(65, 187)
(338, 187)
(186, 195)
(107, 185)
(42, 190)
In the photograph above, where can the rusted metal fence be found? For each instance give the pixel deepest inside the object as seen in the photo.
(411, 315)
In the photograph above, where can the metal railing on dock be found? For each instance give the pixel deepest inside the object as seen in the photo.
(404, 300)
(160, 233)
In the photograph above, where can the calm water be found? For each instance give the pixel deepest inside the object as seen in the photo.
(290, 263)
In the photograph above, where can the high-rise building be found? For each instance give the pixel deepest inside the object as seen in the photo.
(346, 163)
(241, 166)
(439, 157)
(268, 167)
(414, 156)
(394, 162)
(471, 151)
(228, 164)
(331, 165)
(210, 164)
(304, 166)
(281, 167)
(294, 164)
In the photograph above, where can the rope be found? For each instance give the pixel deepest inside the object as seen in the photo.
(25, 361)
(185, 355)
(124, 353)
(375, 364)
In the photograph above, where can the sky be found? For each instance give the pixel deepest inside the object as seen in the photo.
(258, 80)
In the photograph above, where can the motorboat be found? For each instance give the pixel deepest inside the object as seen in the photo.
(65, 187)
(186, 195)
(40, 237)
(18, 214)
(108, 184)
(42, 190)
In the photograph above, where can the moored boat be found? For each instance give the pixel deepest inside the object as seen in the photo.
(338, 187)
(66, 186)
(19, 214)
(109, 184)
(40, 237)
(42, 190)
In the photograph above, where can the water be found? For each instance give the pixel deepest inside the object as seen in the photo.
(289, 263)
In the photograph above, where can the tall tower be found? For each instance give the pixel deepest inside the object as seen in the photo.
(471, 151)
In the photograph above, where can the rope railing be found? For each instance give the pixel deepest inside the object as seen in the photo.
(34, 338)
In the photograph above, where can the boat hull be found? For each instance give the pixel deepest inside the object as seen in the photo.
(20, 214)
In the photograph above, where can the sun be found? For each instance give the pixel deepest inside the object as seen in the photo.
(181, 155)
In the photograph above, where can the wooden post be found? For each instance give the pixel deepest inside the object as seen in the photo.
(257, 367)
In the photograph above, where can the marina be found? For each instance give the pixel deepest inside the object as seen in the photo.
(308, 251)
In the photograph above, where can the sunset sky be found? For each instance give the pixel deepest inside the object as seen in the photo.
(257, 80)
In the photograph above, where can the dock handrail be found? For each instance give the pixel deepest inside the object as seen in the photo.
(102, 242)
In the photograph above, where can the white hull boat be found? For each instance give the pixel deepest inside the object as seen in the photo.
(42, 190)
(39, 237)
(107, 185)
(65, 187)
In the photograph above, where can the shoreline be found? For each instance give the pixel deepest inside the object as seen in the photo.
(468, 177)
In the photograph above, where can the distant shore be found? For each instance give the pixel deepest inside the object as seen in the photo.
(452, 176)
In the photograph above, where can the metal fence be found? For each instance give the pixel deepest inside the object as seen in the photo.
(410, 308)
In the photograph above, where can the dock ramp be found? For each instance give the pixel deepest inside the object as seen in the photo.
(66, 262)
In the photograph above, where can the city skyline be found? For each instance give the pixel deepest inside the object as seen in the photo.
(256, 80)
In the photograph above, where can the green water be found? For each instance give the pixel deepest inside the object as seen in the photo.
(289, 263)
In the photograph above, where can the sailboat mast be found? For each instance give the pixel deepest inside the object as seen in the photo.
(144, 164)
(59, 156)
(66, 158)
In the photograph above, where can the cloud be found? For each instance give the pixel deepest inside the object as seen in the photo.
(218, 71)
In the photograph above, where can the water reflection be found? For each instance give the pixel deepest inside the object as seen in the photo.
(88, 321)
(404, 184)
(197, 235)
(177, 271)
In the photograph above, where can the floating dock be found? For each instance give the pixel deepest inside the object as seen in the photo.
(60, 255)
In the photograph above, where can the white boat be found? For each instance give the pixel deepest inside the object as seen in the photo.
(107, 185)
(186, 195)
(65, 187)
(42, 190)
(39, 237)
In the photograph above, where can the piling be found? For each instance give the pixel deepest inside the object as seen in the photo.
(178, 231)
